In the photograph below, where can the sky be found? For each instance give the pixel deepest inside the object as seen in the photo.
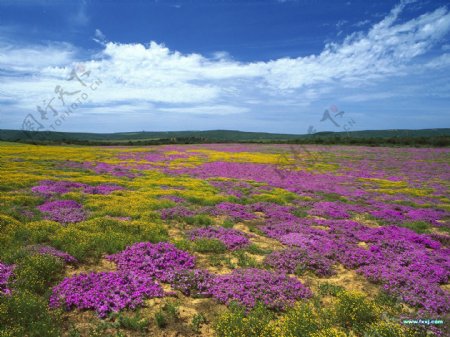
(284, 66)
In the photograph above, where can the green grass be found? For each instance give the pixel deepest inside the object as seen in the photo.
(209, 246)
(420, 227)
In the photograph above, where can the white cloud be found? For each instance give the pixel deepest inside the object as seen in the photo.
(80, 17)
(99, 36)
(35, 58)
(363, 97)
(341, 23)
(362, 23)
(207, 110)
(439, 62)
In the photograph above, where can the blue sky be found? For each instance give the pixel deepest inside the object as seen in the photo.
(254, 65)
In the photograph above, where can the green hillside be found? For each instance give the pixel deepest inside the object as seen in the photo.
(439, 137)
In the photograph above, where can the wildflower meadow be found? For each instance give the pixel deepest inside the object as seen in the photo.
(222, 240)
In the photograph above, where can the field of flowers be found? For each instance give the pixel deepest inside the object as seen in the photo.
(224, 240)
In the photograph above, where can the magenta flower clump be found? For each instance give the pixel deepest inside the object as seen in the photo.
(6, 272)
(195, 282)
(236, 188)
(153, 260)
(274, 212)
(49, 188)
(235, 211)
(231, 238)
(330, 209)
(250, 286)
(290, 260)
(102, 189)
(48, 250)
(63, 211)
(176, 212)
(104, 292)
(427, 215)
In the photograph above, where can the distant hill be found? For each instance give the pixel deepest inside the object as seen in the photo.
(164, 137)
(212, 135)
(400, 133)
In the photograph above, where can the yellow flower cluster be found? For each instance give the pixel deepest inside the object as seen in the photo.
(330, 332)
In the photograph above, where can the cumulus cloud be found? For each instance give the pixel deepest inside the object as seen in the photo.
(35, 58)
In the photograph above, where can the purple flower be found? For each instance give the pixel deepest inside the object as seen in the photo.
(176, 212)
(249, 286)
(49, 188)
(102, 189)
(47, 250)
(290, 259)
(235, 211)
(389, 215)
(194, 282)
(274, 212)
(236, 188)
(231, 238)
(63, 211)
(104, 292)
(6, 272)
(427, 215)
(331, 209)
(150, 260)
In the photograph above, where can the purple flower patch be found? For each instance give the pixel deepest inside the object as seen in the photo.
(290, 260)
(150, 260)
(194, 282)
(249, 286)
(330, 209)
(390, 215)
(104, 292)
(49, 188)
(47, 250)
(235, 211)
(427, 215)
(231, 238)
(176, 212)
(6, 272)
(63, 211)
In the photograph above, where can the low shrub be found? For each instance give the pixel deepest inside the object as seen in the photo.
(354, 310)
(237, 322)
(199, 220)
(160, 319)
(26, 314)
(244, 260)
(386, 329)
(329, 289)
(133, 322)
(209, 246)
(197, 321)
(37, 273)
